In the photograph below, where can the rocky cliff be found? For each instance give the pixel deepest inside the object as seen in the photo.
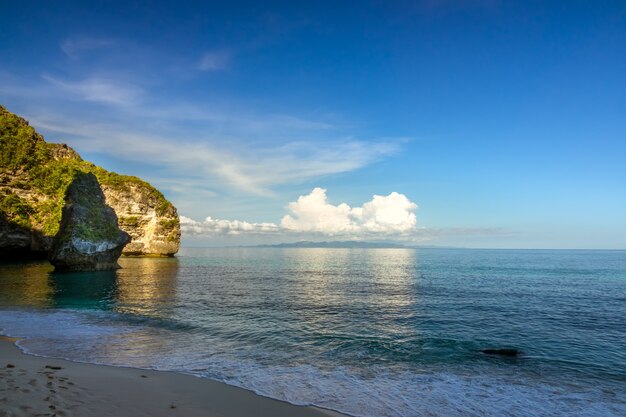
(34, 176)
(146, 216)
(89, 238)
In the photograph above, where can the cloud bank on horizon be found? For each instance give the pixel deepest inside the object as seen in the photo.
(391, 216)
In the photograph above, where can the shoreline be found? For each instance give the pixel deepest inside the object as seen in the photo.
(34, 385)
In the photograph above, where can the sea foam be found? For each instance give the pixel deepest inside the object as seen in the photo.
(98, 337)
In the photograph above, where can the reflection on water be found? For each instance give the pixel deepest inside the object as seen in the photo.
(393, 273)
(320, 273)
(355, 276)
(354, 282)
(143, 286)
(146, 286)
(26, 284)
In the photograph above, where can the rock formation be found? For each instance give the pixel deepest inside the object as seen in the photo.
(89, 238)
(147, 217)
(34, 175)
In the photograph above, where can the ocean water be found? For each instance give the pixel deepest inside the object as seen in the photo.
(368, 332)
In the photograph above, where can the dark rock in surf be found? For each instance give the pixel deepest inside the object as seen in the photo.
(502, 352)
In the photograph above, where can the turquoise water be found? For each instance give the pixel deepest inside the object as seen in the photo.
(369, 332)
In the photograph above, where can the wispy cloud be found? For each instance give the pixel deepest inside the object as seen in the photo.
(99, 90)
(255, 169)
(229, 148)
(215, 60)
(73, 47)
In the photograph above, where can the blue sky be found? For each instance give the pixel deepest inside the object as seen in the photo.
(477, 123)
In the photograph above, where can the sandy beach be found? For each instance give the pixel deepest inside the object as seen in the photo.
(35, 386)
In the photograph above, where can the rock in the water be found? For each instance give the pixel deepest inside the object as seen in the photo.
(89, 238)
(501, 352)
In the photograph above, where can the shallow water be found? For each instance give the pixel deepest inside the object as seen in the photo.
(370, 332)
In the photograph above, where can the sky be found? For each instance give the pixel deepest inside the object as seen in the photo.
(472, 123)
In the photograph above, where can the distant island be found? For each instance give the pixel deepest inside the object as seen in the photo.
(334, 244)
(344, 244)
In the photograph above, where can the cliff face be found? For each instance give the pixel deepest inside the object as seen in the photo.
(89, 238)
(146, 217)
(34, 176)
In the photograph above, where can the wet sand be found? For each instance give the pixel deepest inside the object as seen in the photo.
(35, 386)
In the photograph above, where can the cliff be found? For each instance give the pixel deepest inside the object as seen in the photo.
(34, 176)
(89, 238)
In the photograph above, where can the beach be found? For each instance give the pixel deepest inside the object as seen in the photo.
(37, 386)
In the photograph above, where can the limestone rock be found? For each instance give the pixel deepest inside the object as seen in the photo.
(60, 151)
(34, 175)
(147, 217)
(89, 238)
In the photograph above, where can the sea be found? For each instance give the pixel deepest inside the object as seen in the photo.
(367, 332)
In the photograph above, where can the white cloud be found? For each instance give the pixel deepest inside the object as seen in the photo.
(383, 215)
(312, 214)
(212, 226)
(387, 214)
(215, 60)
(312, 217)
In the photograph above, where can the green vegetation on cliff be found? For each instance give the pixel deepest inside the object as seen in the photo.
(34, 176)
(14, 208)
(97, 223)
(171, 228)
(119, 182)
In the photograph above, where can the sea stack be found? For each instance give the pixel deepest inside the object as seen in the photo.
(89, 238)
